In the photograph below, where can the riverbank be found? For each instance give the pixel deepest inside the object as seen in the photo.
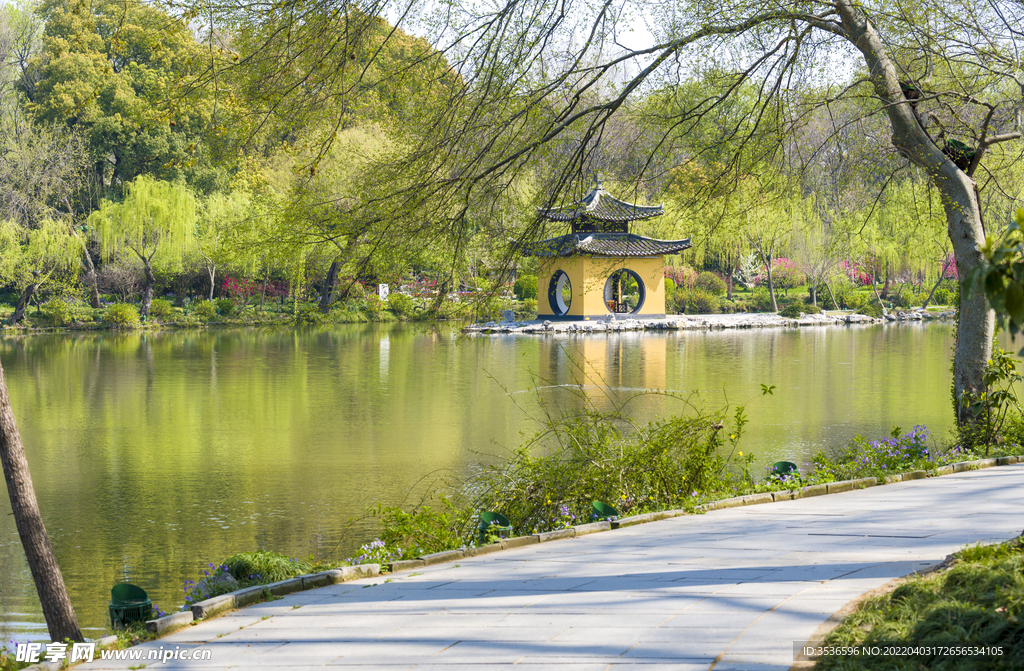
(738, 588)
(701, 322)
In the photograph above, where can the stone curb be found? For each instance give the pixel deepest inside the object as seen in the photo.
(250, 595)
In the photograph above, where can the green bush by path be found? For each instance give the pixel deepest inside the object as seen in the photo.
(978, 602)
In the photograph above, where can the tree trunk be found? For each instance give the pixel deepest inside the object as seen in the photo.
(91, 280)
(976, 322)
(832, 296)
(935, 288)
(147, 293)
(53, 595)
(211, 270)
(23, 302)
(771, 286)
(327, 296)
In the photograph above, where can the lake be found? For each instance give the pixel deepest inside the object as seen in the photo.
(155, 453)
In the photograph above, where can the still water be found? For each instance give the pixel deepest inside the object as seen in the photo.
(154, 454)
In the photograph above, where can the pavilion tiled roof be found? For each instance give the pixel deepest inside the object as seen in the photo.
(606, 244)
(600, 205)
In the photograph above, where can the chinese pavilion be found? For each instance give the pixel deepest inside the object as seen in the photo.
(600, 269)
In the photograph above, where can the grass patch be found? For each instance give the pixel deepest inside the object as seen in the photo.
(976, 602)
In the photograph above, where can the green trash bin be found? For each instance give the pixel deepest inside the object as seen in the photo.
(783, 468)
(493, 523)
(129, 604)
(603, 511)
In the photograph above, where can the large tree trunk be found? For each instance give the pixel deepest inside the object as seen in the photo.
(147, 293)
(976, 322)
(53, 595)
(327, 296)
(23, 301)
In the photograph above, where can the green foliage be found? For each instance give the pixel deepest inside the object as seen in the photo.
(711, 283)
(872, 309)
(864, 458)
(977, 602)
(205, 310)
(116, 71)
(696, 302)
(59, 311)
(309, 315)
(792, 311)
(154, 222)
(945, 296)
(161, 309)
(994, 406)
(1001, 275)
(579, 457)
(401, 304)
(525, 287)
(375, 552)
(269, 566)
(425, 529)
(122, 316)
(530, 306)
(226, 307)
(761, 300)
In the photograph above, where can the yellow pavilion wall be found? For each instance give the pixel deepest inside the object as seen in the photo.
(588, 274)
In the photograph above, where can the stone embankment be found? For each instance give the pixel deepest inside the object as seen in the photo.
(699, 322)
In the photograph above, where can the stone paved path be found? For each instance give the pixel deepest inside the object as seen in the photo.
(729, 590)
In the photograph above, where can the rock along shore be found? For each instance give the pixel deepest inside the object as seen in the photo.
(697, 323)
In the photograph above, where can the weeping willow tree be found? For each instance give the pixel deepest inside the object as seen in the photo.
(156, 222)
(30, 256)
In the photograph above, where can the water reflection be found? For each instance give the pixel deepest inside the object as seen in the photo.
(153, 454)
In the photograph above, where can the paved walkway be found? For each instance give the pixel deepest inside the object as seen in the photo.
(730, 590)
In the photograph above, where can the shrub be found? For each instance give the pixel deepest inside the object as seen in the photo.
(206, 310)
(122, 316)
(944, 296)
(791, 311)
(401, 304)
(59, 311)
(309, 315)
(225, 306)
(373, 307)
(726, 306)
(525, 287)
(761, 300)
(697, 302)
(161, 309)
(711, 283)
(530, 306)
(872, 309)
(270, 566)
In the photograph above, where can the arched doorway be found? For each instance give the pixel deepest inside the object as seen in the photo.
(624, 292)
(560, 293)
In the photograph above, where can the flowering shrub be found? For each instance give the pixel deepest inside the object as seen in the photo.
(374, 552)
(239, 289)
(866, 458)
(683, 276)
